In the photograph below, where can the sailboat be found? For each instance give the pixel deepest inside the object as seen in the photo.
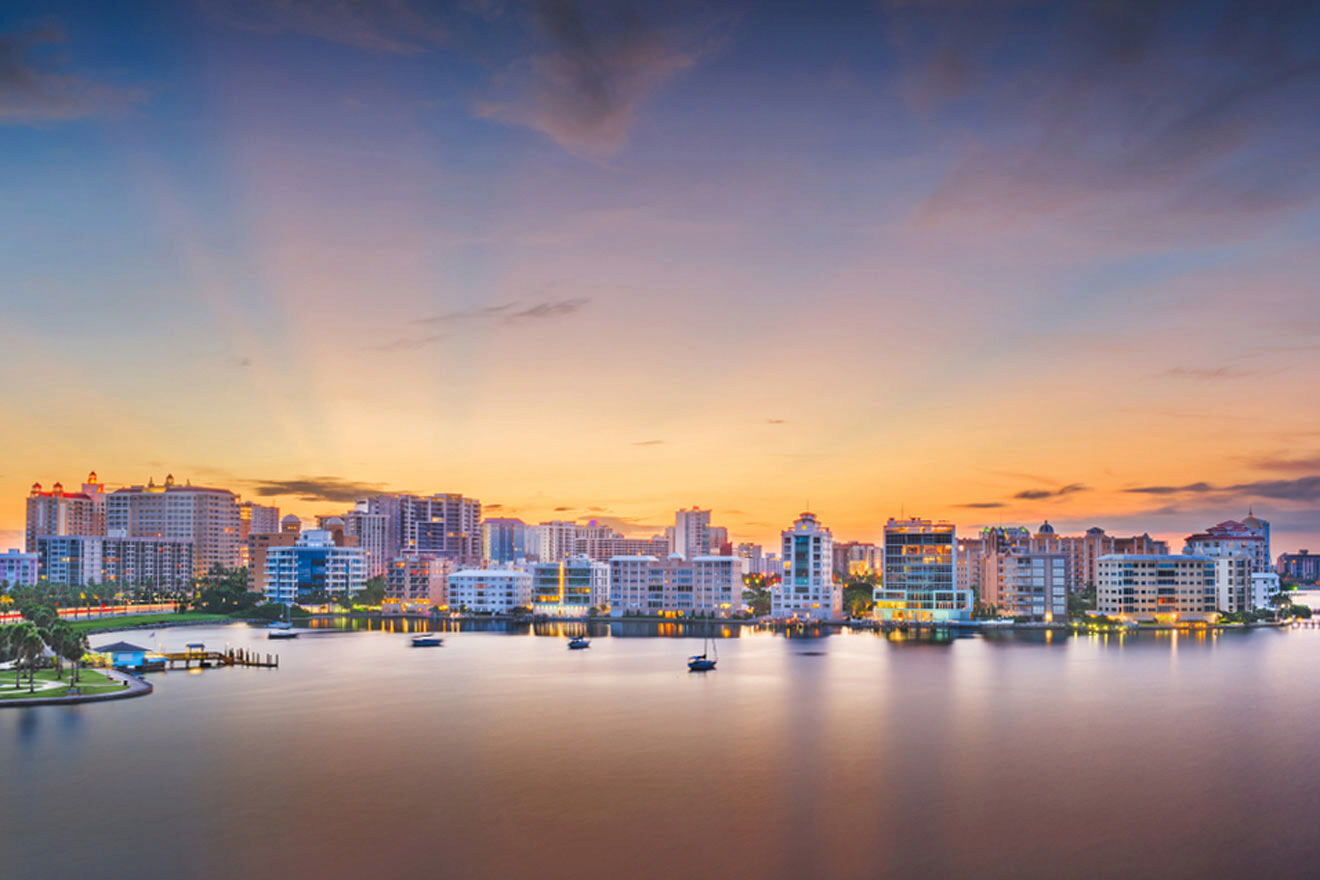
(710, 653)
(282, 629)
(580, 641)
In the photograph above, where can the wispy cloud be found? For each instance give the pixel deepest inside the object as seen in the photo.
(648, 443)
(1041, 494)
(512, 313)
(409, 343)
(33, 88)
(1301, 489)
(1309, 463)
(394, 26)
(600, 62)
(1207, 374)
(317, 488)
(982, 505)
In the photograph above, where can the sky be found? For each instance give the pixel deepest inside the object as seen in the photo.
(992, 261)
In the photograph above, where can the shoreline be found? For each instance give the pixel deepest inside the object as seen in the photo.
(137, 687)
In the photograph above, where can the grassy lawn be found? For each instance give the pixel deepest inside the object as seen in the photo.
(90, 682)
(101, 624)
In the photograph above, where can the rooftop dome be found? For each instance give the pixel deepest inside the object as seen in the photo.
(1045, 528)
(290, 518)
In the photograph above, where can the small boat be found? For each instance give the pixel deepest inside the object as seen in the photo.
(704, 662)
(700, 663)
(282, 629)
(427, 640)
(577, 643)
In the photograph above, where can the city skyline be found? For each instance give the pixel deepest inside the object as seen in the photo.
(663, 521)
(995, 265)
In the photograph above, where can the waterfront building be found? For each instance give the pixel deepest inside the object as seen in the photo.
(410, 579)
(1020, 583)
(969, 557)
(719, 542)
(489, 590)
(94, 560)
(754, 555)
(1084, 551)
(1239, 586)
(504, 540)
(1163, 588)
(58, 513)
(570, 587)
(95, 490)
(18, 569)
(1232, 538)
(691, 533)
(314, 564)
(1261, 527)
(207, 517)
(709, 586)
(919, 576)
(1301, 567)
(807, 590)
(856, 558)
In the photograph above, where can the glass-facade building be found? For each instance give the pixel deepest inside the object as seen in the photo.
(314, 565)
(920, 574)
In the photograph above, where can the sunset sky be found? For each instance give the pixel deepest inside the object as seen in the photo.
(991, 261)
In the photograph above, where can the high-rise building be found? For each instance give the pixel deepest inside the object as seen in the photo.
(754, 554)
(807, 590)
(1302, 566)
(1084, 551)
(94, 489)
(445, 524)
(208, 517)
(968, 568)
(18, 569)
(58, 513)
(370, 530)
(919, 578)
(504, 540)
(856, 558)
(419, 579)
(691, 535)
(313, 564)
(556, 539)
(256, 548)
(570, 587)
(255, 519)
(1021, 583)
(707, 586)
(259, 519)
(96, 560)
(1154, 587)
(1232, 538)
(490, 590)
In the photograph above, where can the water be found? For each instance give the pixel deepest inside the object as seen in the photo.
(847, 756)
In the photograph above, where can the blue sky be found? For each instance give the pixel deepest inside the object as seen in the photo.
(871, 254)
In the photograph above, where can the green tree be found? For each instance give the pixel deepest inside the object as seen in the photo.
(70, 644)
(28, 645)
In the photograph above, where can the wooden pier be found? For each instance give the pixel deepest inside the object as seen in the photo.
(203, 659)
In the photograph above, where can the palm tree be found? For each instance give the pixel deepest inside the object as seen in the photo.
(70, 644)
(7, 651)
(28, 644)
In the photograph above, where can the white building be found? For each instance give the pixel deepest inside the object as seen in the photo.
(18, 569)
(93, 560)
(1162, 588)
(675, 587)
(808, 590)
(691, 533)
(489, 590)
(570, 587)
(371, 531)
(314, 564)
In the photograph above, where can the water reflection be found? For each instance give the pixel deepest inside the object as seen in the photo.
(851, 754)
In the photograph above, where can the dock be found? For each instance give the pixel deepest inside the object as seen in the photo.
(201, 658)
